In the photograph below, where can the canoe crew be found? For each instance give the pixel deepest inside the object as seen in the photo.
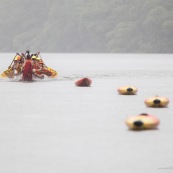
(44, 68)
(28, 65)
(17, 65)
(37, 68)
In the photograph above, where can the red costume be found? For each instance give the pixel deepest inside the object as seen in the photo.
(27, 71)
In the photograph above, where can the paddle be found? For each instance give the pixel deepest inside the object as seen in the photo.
(6, 72)
(38, 53)
(13, 60)
(9, 72)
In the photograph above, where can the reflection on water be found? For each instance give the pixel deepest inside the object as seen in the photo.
(118, 74)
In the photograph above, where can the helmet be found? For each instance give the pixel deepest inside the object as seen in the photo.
(17, 58)
(38, 59)
(34, 57)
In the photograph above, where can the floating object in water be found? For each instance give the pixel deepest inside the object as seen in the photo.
(142, 122)
(84, 82)
(127, 90)
(157, 101)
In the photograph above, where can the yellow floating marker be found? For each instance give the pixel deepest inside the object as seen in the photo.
(157, 101)
(142, 122)
(127, 90)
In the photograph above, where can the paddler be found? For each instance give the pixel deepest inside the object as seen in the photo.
(36, 67)
(17, 65)
(27, 69)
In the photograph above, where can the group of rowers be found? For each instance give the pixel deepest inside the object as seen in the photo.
(28, 67)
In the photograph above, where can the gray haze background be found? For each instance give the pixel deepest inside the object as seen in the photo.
(114, 26)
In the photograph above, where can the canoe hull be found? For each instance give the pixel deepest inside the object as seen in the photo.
(84, 82)
(142, 122)
(127, 90)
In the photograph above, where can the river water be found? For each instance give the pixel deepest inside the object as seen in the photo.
(53, 126)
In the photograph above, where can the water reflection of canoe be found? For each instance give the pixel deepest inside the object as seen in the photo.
(84, 82)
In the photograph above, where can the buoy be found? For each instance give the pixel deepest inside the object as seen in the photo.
(142, 122)
(157, 101)
(84, 82)
(127, 90)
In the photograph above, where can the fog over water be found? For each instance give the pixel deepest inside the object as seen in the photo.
(92, 26)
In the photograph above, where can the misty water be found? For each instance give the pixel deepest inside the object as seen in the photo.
(53, 126)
